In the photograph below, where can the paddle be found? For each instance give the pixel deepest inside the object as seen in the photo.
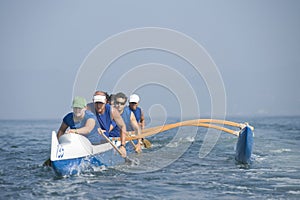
(147, 144)
(47, 163)
(114, 146)
(134, 146)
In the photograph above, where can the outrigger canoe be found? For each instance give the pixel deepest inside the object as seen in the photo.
(73, 153)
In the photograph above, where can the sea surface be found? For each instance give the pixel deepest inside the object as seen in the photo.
(273, 174)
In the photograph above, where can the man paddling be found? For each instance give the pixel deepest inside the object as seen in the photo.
(137, 111)
(134, 100)
(128, 117)
(81, 121)
(106, 114)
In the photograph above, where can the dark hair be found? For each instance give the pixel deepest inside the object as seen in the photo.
(111, 97)
(107, 95)
(120, 95)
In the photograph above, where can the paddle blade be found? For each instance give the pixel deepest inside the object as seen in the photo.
(132, 162)
(47, 163)
(147, 144)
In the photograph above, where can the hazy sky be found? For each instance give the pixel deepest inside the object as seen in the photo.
(254, 44)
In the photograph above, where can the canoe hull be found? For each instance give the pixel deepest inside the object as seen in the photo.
(73, 154)
(74, 166)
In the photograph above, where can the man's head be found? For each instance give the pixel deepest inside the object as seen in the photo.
(79, 106)
(100, 99)
(120, 101)
(134, 101)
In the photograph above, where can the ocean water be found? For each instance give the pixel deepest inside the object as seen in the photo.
(273, 174)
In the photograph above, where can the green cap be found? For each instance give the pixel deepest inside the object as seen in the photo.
(79, 102)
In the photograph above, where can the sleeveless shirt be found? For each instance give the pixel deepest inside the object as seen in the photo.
(94, 137)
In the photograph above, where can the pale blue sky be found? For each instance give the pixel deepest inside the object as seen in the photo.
(255, 45)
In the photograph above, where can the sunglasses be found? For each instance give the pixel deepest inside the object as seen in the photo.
(120, 103)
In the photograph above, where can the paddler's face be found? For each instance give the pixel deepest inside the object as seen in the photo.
(99, 102)
(78, 112)
(133, 105)
(99, 107)
(120, 104)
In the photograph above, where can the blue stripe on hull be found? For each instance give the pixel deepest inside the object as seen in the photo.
(244, 146)
(74, 166)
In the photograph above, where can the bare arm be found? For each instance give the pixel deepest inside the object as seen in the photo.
(134, 124)
(142, 121)
(88, 127)
(120, 123)
(62, 129)
(137, 131)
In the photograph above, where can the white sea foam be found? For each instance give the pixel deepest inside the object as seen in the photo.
(280, 150)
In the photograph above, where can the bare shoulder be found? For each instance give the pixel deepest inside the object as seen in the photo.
(114, 112)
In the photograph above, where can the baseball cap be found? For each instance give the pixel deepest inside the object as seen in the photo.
(79, 102)
(134, 98)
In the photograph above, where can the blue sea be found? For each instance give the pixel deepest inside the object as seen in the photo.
(273, 174)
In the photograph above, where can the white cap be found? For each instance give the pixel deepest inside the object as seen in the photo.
(99, 98)
(134, 98)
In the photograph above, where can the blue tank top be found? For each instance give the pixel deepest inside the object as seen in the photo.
(103, 120)
(126, 118)
(94, 137)
(137, 113)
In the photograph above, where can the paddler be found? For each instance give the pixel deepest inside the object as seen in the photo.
(81, 121)
(129, 119)
(134, 100)
(105, 115)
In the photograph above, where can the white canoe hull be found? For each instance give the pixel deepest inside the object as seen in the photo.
(73, 153)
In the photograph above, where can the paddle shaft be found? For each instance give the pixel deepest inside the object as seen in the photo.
(112, 144)
(134, 146)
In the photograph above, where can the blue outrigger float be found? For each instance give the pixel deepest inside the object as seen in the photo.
(244, 146)
(73, 153)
